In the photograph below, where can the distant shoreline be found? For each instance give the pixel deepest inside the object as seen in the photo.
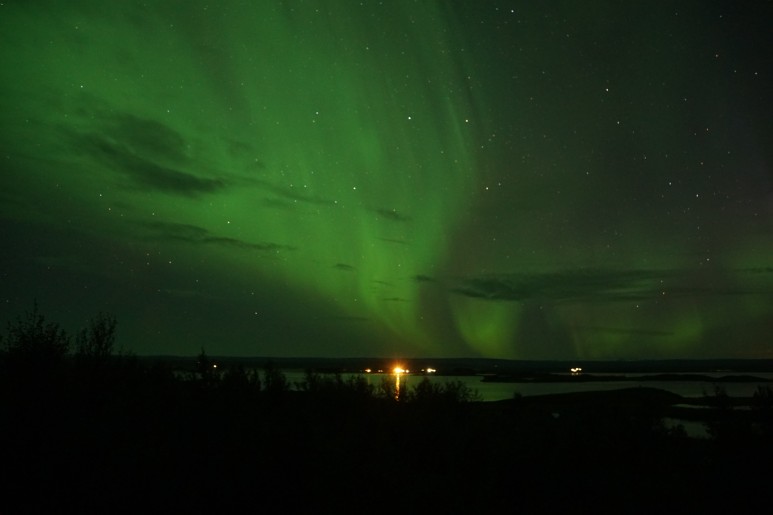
(488, 366)
(586, 378)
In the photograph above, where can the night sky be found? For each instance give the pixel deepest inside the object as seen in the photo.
(503, 179)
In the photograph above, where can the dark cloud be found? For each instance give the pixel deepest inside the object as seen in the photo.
(393, 240)
(145, 172)
(392, 214)
(344, 267)
(566, 285)
(423, 279)
(148, 138)
(151, 154)
(233, 242)
(198, 235)
(624, 330)
(590, 285)
(395, 299)
(153, 176)
(246, 153)
(289, 193)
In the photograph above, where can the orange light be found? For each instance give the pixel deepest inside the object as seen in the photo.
(398, 370)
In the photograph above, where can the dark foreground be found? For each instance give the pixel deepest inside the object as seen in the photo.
(120, 436)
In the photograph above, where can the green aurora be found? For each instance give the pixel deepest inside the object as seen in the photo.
(346, 178)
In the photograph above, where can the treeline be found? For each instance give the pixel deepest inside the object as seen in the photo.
(85, 423)
(37, 352)
(88, 428)
(331, 386)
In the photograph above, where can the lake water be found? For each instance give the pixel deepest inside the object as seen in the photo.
(502, 391)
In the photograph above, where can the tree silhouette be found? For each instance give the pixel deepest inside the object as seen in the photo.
(387, 388)
(95, 344)
(274, 380)
(762, 404)
(206, 369)
(428, 391)
(238, 381)
(33, 342)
